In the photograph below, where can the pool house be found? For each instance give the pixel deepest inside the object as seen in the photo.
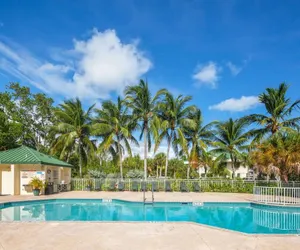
(19, 165)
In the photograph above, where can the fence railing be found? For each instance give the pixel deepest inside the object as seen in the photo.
(277, 195)
(276, 219)
(186, 185)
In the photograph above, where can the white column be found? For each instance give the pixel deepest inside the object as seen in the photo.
(12, 172)
(0, 180)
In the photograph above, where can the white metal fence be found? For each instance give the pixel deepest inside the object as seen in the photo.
(184, 185)
(277, 195)
(276, 219)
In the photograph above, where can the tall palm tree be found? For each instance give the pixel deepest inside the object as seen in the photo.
(114, 125)
(231, 138)
(198, 138)
(143, 106)
(279, 109)
(175, 116)
(73, 130)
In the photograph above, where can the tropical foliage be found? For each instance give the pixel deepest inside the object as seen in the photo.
(115, 125)
(101, 142)
(279, 110)
(175, 116)
(230, 138)
(143, 106)
(73, 131)
(278, 154)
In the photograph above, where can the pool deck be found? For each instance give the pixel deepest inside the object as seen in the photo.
(118, 235)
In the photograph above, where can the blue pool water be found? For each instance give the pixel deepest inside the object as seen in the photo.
(242, 217)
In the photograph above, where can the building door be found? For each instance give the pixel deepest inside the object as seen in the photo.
(7, 183)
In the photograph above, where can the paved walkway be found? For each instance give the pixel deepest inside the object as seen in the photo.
(131, 236)
(138, 196)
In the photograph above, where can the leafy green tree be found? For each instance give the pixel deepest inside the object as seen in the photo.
(73, 131)
(177, 168)
(175, 117)
(279, 109)
(280, 152)
(115, 125)
(215, 166)
(10, 132)
(133, 162)
(230, 138)
(143, 106)
(33, 112)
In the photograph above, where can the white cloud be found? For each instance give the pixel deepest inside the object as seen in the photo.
(94, 68)
(207, 74)
(236, 105)
(234, 69)
(139, 150)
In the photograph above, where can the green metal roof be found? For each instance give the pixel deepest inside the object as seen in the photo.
(26, 155)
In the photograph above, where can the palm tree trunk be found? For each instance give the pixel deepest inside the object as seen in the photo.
(167, 156)
(120, 154)
(188, 172)
(80, 161)
(232, 166)
(145, 149)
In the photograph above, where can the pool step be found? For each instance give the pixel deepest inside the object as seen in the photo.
(148, 203)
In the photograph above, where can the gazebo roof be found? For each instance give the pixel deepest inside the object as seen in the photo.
(26, 155)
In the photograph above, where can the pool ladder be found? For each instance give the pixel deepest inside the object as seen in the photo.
(145, 199)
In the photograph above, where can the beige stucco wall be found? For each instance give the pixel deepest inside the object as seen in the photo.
(14, 173)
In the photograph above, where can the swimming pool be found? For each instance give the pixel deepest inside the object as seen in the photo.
(242, 217)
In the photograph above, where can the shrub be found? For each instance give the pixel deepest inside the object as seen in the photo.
(135, 174)
(96, 174)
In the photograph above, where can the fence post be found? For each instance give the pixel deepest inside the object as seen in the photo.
(81, 184)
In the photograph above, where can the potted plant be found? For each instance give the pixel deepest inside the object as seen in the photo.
(37, 185)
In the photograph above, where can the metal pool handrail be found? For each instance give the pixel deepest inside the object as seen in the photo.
(277, 195)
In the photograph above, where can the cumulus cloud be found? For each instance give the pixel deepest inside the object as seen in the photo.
(207, 74)
(234, 69)
(93, 68)
(237, 105)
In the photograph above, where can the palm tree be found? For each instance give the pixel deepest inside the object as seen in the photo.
(279, 109)
(216, 165)
(198, 137)
(73, 130)
(230, 138)
(159, 160)
(175, 116)
(143, 106)
(114, 125)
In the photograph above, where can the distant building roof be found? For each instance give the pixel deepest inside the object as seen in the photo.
(26, 155)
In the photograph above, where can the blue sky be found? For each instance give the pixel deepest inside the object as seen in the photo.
(223, 53)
